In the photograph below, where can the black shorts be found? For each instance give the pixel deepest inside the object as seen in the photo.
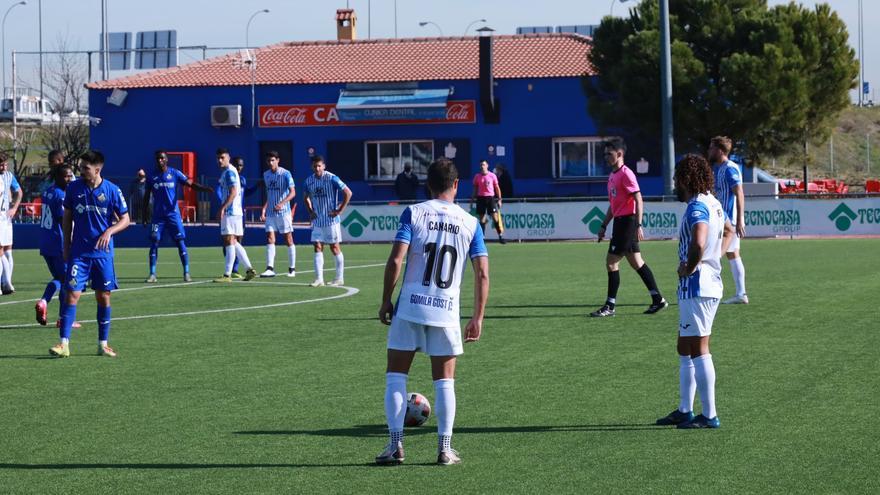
(486, 204)
(624, 236)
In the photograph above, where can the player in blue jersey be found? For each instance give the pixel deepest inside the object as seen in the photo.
(91, 206)
(729, 191)
(705, 232)
(10, 198)
(280, 191)
(231, 219)
(162, 184)
(436, 238)
(51, 242)
(322, 201)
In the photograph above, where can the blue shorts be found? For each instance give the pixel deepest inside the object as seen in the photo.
(99, 270)
(57, 267)
(174, 225)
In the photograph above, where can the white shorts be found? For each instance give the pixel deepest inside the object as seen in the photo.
(327, 235)
(405, 335)
(232, 225)
(5, 232)
(696, 315)
(734, 244)
(281, 224)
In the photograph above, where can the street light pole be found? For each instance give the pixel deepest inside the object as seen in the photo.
(40, 29)
(3, 45)
(471, 25)
(425, 23)
(247, 29)
(666, 98)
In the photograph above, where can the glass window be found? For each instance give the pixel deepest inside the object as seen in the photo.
(386, 159)
(579, 157)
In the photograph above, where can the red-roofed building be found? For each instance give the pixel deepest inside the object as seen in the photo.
(370, 107)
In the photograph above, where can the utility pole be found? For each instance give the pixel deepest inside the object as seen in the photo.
(666, 99)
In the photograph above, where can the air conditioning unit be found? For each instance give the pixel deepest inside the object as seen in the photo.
(226, 115)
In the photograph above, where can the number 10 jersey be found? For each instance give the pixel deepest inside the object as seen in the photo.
(441, 238)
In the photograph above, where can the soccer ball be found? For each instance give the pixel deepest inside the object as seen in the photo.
(418, 409)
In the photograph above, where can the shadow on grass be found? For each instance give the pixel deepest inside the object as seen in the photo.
(381, 430)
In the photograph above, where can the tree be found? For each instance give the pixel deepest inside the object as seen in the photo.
(770, 77)
(65, 79)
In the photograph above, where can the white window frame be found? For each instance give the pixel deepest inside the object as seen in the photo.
(595, 154)
(399, 143)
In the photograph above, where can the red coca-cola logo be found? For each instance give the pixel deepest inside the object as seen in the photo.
(458, 111)
(325, 115)
(280, 117)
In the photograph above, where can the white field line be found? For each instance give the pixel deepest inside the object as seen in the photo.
(160, 286)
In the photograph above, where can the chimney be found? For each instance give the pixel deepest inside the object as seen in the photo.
(346, 22)
(491, 106)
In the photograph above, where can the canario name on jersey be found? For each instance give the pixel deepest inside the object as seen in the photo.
(441, 237)
(706, 280)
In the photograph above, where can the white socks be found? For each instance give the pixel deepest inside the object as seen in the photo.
(739, 275)
(340, 266)
(242, 256)
(270, 255)
(319, 266)
(687, 385)
(4, 271)
(291, 256)
(704, 372)
(395, 401)
(444, 404)
(8, 256)
(229, 252)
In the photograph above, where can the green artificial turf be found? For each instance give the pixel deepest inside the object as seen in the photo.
(289, 398)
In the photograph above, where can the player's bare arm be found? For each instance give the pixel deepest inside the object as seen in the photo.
(498, 194)
(308, 202)
(695, 249)
(392, 271)
(17, 201)
(640, 208)
(287, 199)
(198, 187)
(346, 197)
(474, 327)
(740, 211)
(263, 210)
(104, 241)
(605, 222)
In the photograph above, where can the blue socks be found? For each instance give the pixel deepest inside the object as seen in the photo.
(103, 323)
(51, 288)
(184, 256)
(154, 256)
(68, 315)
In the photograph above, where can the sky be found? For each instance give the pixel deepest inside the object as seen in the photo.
(221, 23)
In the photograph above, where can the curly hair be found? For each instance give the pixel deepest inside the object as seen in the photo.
(693, 174)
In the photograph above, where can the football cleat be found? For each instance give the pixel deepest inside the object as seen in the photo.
(250, 274)
(225, 279)
(701, 422)
(7, 289)
(187, 277)
(236, 275)
(448, 458)
(317, 283)
(106, 350)
(75, 324)
(151, 279)
(603, 312)
(269, 273)
(41, 312)
(59, 350)
(501, 240)
(676, 418)
(391, 456)
(337, 283)
(655, 307)
(291, 272)
(743, 299)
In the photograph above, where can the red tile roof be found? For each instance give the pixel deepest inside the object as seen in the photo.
(383, 60)
(344, 14)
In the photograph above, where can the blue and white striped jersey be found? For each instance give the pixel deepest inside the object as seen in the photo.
(8, 185)
(278, 185)
(706, 280)
(441, 238)
(727, 176)
(324, 193)
(228, 179)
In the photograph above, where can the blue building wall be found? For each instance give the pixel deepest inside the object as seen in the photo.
(178, 119)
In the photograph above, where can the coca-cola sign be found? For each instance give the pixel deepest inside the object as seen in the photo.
(325, 114)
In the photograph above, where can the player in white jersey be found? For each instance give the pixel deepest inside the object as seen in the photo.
(729, 191)
(436, 238)
(322, 201)
(8, 207)
(280, 191)
(231, 218)
(705, 232)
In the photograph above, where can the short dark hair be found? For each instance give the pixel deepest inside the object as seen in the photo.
(160, 152)
(93, 157)
(221, 151)
(317, 158)
(237, 161)
(615, 143)
(694, 174)
(53, 154)
(60, 171)
(442, 174)
(273, 154)
(723, 143)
